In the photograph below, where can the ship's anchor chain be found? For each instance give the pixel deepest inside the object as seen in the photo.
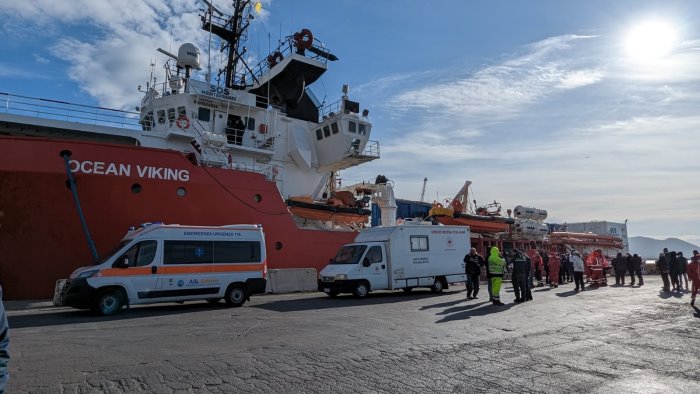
(74, 190)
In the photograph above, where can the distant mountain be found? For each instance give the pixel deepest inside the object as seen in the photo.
(649, 248)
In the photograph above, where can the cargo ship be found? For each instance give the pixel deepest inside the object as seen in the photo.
(256, 147)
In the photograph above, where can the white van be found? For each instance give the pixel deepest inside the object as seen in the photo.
(398, 257)
(173, 263)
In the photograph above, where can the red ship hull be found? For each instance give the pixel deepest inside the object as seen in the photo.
(41, 236)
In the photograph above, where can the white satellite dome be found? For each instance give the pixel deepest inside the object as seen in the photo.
(188, 56)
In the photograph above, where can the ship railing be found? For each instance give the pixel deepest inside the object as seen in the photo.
(70, 112)
(331, 109)
(318, 52)
(371, 149)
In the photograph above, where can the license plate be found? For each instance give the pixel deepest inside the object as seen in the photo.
(326, 290)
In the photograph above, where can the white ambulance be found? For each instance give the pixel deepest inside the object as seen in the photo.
(173, 263)
(398, 257)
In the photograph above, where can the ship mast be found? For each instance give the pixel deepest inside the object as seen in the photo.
(231, 29)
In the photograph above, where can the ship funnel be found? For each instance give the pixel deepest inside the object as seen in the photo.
(188, 56)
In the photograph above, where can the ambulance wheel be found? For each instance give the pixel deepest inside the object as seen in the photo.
(235, 295)
(213, 300)
(361, 290)
(109, 302)
(438, 286)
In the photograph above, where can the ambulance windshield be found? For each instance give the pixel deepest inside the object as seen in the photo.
(113, 252)
(349, 254)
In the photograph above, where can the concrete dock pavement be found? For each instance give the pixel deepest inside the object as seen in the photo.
(611, 339)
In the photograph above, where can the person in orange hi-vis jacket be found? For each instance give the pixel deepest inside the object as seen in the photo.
(554, 265)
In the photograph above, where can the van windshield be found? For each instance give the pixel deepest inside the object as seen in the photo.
(112, 252)
(349, 254)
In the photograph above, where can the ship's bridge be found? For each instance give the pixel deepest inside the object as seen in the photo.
(342, 139)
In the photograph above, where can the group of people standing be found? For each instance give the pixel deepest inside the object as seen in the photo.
(550, 268)
(629, 263)
(675, 269)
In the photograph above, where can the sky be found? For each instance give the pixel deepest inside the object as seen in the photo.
(586, 109)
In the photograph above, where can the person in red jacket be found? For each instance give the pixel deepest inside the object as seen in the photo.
(694, 275)
(554, 265)
(536, 267)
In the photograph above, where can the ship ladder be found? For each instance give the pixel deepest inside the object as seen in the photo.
(73, 188)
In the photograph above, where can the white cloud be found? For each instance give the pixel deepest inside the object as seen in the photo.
(112, 58)
(557, 127)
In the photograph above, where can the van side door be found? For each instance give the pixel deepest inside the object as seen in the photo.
(374, 268)
(187, 270)
(135, 269)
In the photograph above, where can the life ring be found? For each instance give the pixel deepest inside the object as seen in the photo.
(303, 39)
(275, 58)
(183, 122)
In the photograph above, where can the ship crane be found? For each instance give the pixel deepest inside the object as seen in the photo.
(460, 201)
(422, 192)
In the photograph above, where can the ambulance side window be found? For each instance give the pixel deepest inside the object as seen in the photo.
(188, 252)
(138, 255)
(230, 252)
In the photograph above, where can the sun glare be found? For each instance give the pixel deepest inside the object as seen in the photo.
(651, 40)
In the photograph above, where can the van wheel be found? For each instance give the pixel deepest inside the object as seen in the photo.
(361, 290)
(438, 286)
(407, 289)
(213, 300)
(235, 295)
(109, 302)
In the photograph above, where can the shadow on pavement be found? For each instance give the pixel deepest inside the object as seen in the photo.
(470, 311)
(668, 294)
(567, 293)
(346, 300)
(444, 304)
(74, 316)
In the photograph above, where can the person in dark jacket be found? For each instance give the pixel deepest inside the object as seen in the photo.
(473, 262)
(683, 270)
(674, 271)
(663, 269)
(521, 273)
(4, 343)
(619, 266)
(637, 267)
(630, 267)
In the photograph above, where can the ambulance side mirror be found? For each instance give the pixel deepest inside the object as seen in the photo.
(366, 262)
(122, 262)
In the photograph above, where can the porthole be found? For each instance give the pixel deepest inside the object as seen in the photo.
(136, 188)
(181, 191)
(257, 198)
(278, 245)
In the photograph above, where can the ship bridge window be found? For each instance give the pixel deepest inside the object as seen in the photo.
(161, 116)
(352, 127)
(319, 134)
(362, 128)
(181, 111)
(326, 131)
(251, 123)
(204, 114)
(171, 115)
(147, 121)
(334, 127)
